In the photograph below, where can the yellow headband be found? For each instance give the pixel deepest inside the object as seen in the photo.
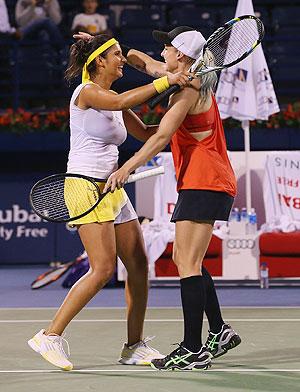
(85, 75)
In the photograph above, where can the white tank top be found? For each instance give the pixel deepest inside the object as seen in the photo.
(94, 141)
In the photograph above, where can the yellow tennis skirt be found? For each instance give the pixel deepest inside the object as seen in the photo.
(107, 210)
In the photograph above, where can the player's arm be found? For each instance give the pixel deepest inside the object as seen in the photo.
(142, 62)
(180, 104)
(136, 128)
(93, 96)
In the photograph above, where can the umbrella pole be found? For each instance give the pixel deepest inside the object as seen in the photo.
(245, 126)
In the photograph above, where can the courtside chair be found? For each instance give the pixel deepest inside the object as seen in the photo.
(281, 252)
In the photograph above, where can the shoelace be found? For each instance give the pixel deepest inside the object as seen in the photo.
(147, 339)
(60, 340)
(181, 349)
(211, 339)
(177, 351)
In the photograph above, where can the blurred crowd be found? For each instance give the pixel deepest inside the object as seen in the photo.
(35, 36)
(41, 18)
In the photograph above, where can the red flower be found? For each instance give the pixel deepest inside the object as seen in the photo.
(22, 120)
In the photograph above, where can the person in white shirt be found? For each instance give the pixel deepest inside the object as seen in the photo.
(40, 18)
(5, 27)
(99, 120)
(89, 21)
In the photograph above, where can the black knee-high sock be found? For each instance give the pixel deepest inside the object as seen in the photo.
(212, 307)
(193, 297)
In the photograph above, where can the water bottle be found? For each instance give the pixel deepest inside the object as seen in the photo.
(252, 222)
(264, 276)
(244, 215)
(244, 220)
(234, 215)
(234, 222)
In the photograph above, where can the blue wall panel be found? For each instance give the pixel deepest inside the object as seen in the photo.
(24, 237)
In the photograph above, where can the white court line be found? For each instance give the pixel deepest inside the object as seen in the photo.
(151, 320)
(150, 308)
(152, 370)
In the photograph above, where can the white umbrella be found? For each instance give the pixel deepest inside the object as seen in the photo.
(245, 92)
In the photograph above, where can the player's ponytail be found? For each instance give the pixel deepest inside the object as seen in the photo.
(210, 79)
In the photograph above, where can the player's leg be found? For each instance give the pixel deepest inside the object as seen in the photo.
(191, 242)
(131, 250)
(212, 307)
(99, 241)
(221, 337)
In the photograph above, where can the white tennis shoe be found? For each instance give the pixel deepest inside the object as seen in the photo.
(51, 349)
(139, 353)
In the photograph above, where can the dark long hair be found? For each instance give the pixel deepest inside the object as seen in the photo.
(79, 53)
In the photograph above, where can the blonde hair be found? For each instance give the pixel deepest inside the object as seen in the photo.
(209, 80)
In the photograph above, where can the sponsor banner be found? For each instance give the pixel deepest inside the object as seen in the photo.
(25, 237)
(282, 185)
(240, 243)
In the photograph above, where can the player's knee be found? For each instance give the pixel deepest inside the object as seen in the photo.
(185, 261)
(178, 255)
(102, 275)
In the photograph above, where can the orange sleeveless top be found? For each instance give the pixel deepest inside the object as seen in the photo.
(203, 164)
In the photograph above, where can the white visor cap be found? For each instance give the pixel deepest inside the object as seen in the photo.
(189, 43)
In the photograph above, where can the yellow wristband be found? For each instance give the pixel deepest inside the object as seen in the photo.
(161, 84)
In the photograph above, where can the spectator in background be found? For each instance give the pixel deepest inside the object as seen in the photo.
(90, 21)
(5, 28)
(40, 18)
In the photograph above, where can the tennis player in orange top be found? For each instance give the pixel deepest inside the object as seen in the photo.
(206, 187)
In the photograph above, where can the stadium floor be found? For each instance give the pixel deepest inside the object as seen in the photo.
(267, 360)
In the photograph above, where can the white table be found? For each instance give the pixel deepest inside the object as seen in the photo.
(241, 256)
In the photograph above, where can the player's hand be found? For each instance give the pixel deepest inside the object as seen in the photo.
(82, 35)
(116, 180)
(181, 78)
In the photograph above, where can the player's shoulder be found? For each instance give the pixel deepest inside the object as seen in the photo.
(195, 84)
(190, 93)
(90, 88)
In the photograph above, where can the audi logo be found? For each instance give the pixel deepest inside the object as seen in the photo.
(241, 243)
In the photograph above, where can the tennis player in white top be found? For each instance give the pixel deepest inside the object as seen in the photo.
(99, 120)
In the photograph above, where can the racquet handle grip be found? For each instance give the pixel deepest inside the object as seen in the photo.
(145, 174)
(156, 100)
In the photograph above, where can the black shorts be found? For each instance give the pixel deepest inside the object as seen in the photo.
(198, 205)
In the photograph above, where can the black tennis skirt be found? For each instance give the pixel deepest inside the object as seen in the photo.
(198, 205)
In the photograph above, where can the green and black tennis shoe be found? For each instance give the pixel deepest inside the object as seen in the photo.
(183, 359)
(219, 343)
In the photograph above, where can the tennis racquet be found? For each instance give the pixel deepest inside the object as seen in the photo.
(67, 197)
(228, 45)
(53, 274)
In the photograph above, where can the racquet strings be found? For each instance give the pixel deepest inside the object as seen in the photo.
(64, 198)
(234, 41)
